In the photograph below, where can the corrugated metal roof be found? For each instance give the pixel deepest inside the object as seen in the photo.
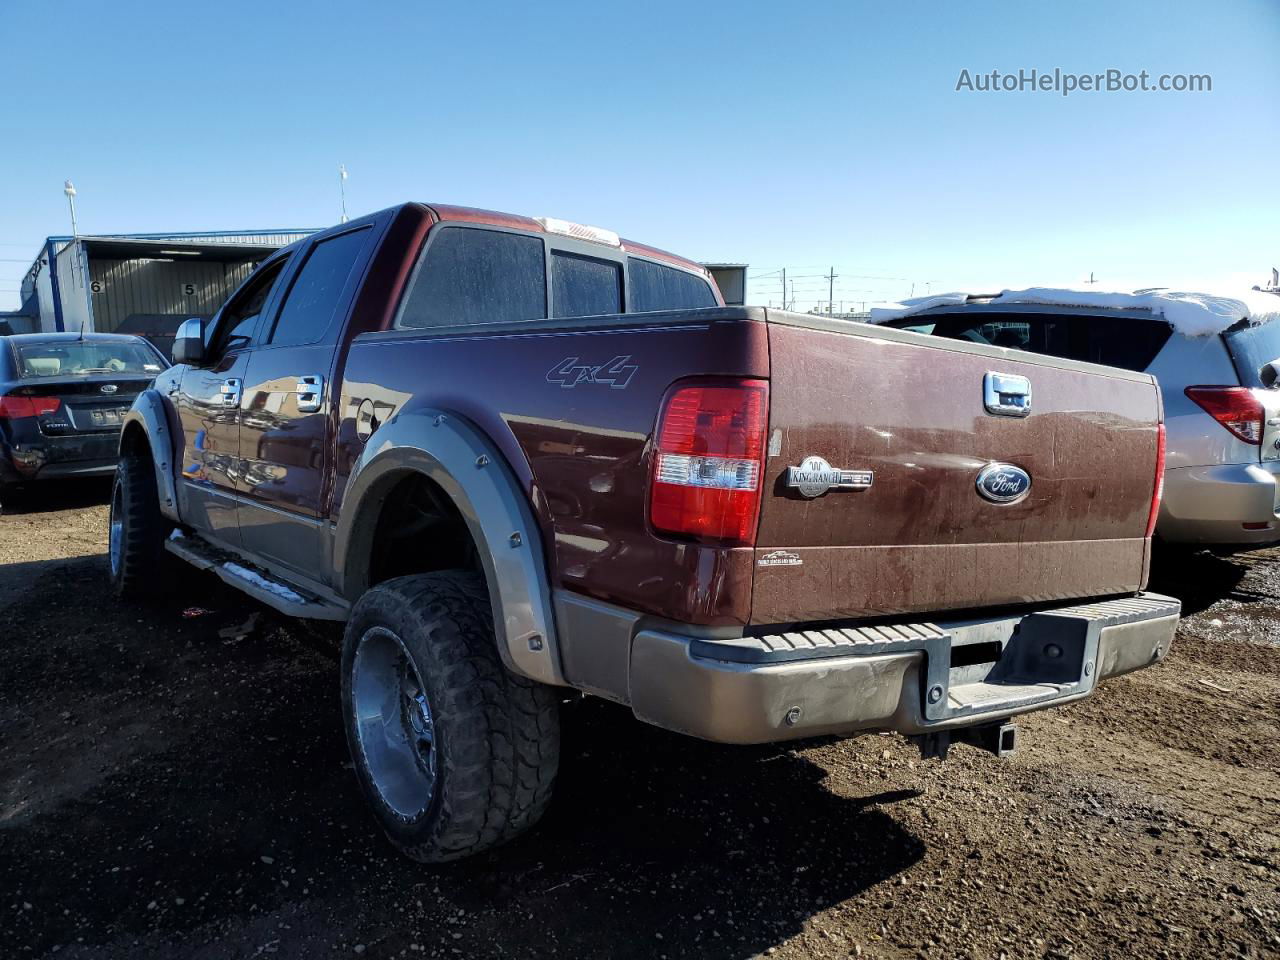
(275, 238)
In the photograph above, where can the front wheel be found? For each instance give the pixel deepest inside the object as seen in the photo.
(136, 532)
(454, 752)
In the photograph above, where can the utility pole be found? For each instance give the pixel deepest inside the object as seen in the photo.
(784, 288)
(1091, 280)
(831, 287)
(69, 189)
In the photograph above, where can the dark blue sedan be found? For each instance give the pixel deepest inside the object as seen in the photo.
(63, 397)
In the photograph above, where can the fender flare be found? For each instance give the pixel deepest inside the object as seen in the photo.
(467, 466)
(148, 415)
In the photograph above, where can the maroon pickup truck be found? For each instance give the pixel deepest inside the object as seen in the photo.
(517, 457)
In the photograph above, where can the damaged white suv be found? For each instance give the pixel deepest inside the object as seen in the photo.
(1217, 359)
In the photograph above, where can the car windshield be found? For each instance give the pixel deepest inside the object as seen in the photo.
(86, 358)
(1128, 342)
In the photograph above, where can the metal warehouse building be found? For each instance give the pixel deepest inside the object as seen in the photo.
(144, 283)
(731, 278)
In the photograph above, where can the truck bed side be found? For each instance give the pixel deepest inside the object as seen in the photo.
(572, 405)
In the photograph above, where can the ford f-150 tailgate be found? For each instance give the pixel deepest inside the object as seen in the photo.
(907, 474)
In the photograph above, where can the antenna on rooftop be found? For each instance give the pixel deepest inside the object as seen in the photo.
(342, 188)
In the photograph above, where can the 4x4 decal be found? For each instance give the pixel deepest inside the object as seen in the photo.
(570, 372)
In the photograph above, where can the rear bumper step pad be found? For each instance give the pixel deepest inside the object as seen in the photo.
(912, 678)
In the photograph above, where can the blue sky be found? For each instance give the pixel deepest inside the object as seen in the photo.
(797, 135)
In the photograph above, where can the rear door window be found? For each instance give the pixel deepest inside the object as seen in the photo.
(309, 306)
(1127, 342)
(584, 286)
(654, 286)
(472, 276)
(1252, 348)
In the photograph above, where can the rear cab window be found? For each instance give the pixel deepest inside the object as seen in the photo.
(584, 286)
(1130, 343)
(471, 275)
(656, 286)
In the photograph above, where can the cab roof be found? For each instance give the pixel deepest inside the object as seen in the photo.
(512, 221)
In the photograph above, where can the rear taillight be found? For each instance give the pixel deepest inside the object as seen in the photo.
(709, 460)
(15, 407)
(1236, 408)
(1158, 493)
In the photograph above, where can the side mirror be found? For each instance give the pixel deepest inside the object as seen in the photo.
(188, 342)
(1270, 374)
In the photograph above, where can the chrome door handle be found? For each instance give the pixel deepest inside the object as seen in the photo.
(230, 391)
(310, 394)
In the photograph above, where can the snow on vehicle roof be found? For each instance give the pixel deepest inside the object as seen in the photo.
(1193, 314)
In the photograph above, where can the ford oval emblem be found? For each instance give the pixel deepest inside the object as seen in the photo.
(109, 388)
(1003, 483)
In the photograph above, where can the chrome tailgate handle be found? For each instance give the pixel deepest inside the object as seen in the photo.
(310, 394)
(1006, 394)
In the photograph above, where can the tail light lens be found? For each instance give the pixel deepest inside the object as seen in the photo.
(709, 461)
(1236, 408)
(15, 407)
(1158, 494)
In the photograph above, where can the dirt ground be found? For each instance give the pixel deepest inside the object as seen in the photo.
(179, 786)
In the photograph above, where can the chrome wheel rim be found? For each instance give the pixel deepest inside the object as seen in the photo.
(115, 539)
(394, 725)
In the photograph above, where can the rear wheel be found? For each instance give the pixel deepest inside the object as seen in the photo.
(136, 532)
(454, 752)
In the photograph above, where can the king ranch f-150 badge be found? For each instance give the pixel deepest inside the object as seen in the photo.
(815, 476)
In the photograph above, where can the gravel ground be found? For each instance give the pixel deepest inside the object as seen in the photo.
(178, 786)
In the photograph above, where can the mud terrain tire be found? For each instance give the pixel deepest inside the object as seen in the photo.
(485, 743)
(136, 532)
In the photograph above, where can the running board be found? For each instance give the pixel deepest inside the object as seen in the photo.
(289, 599)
